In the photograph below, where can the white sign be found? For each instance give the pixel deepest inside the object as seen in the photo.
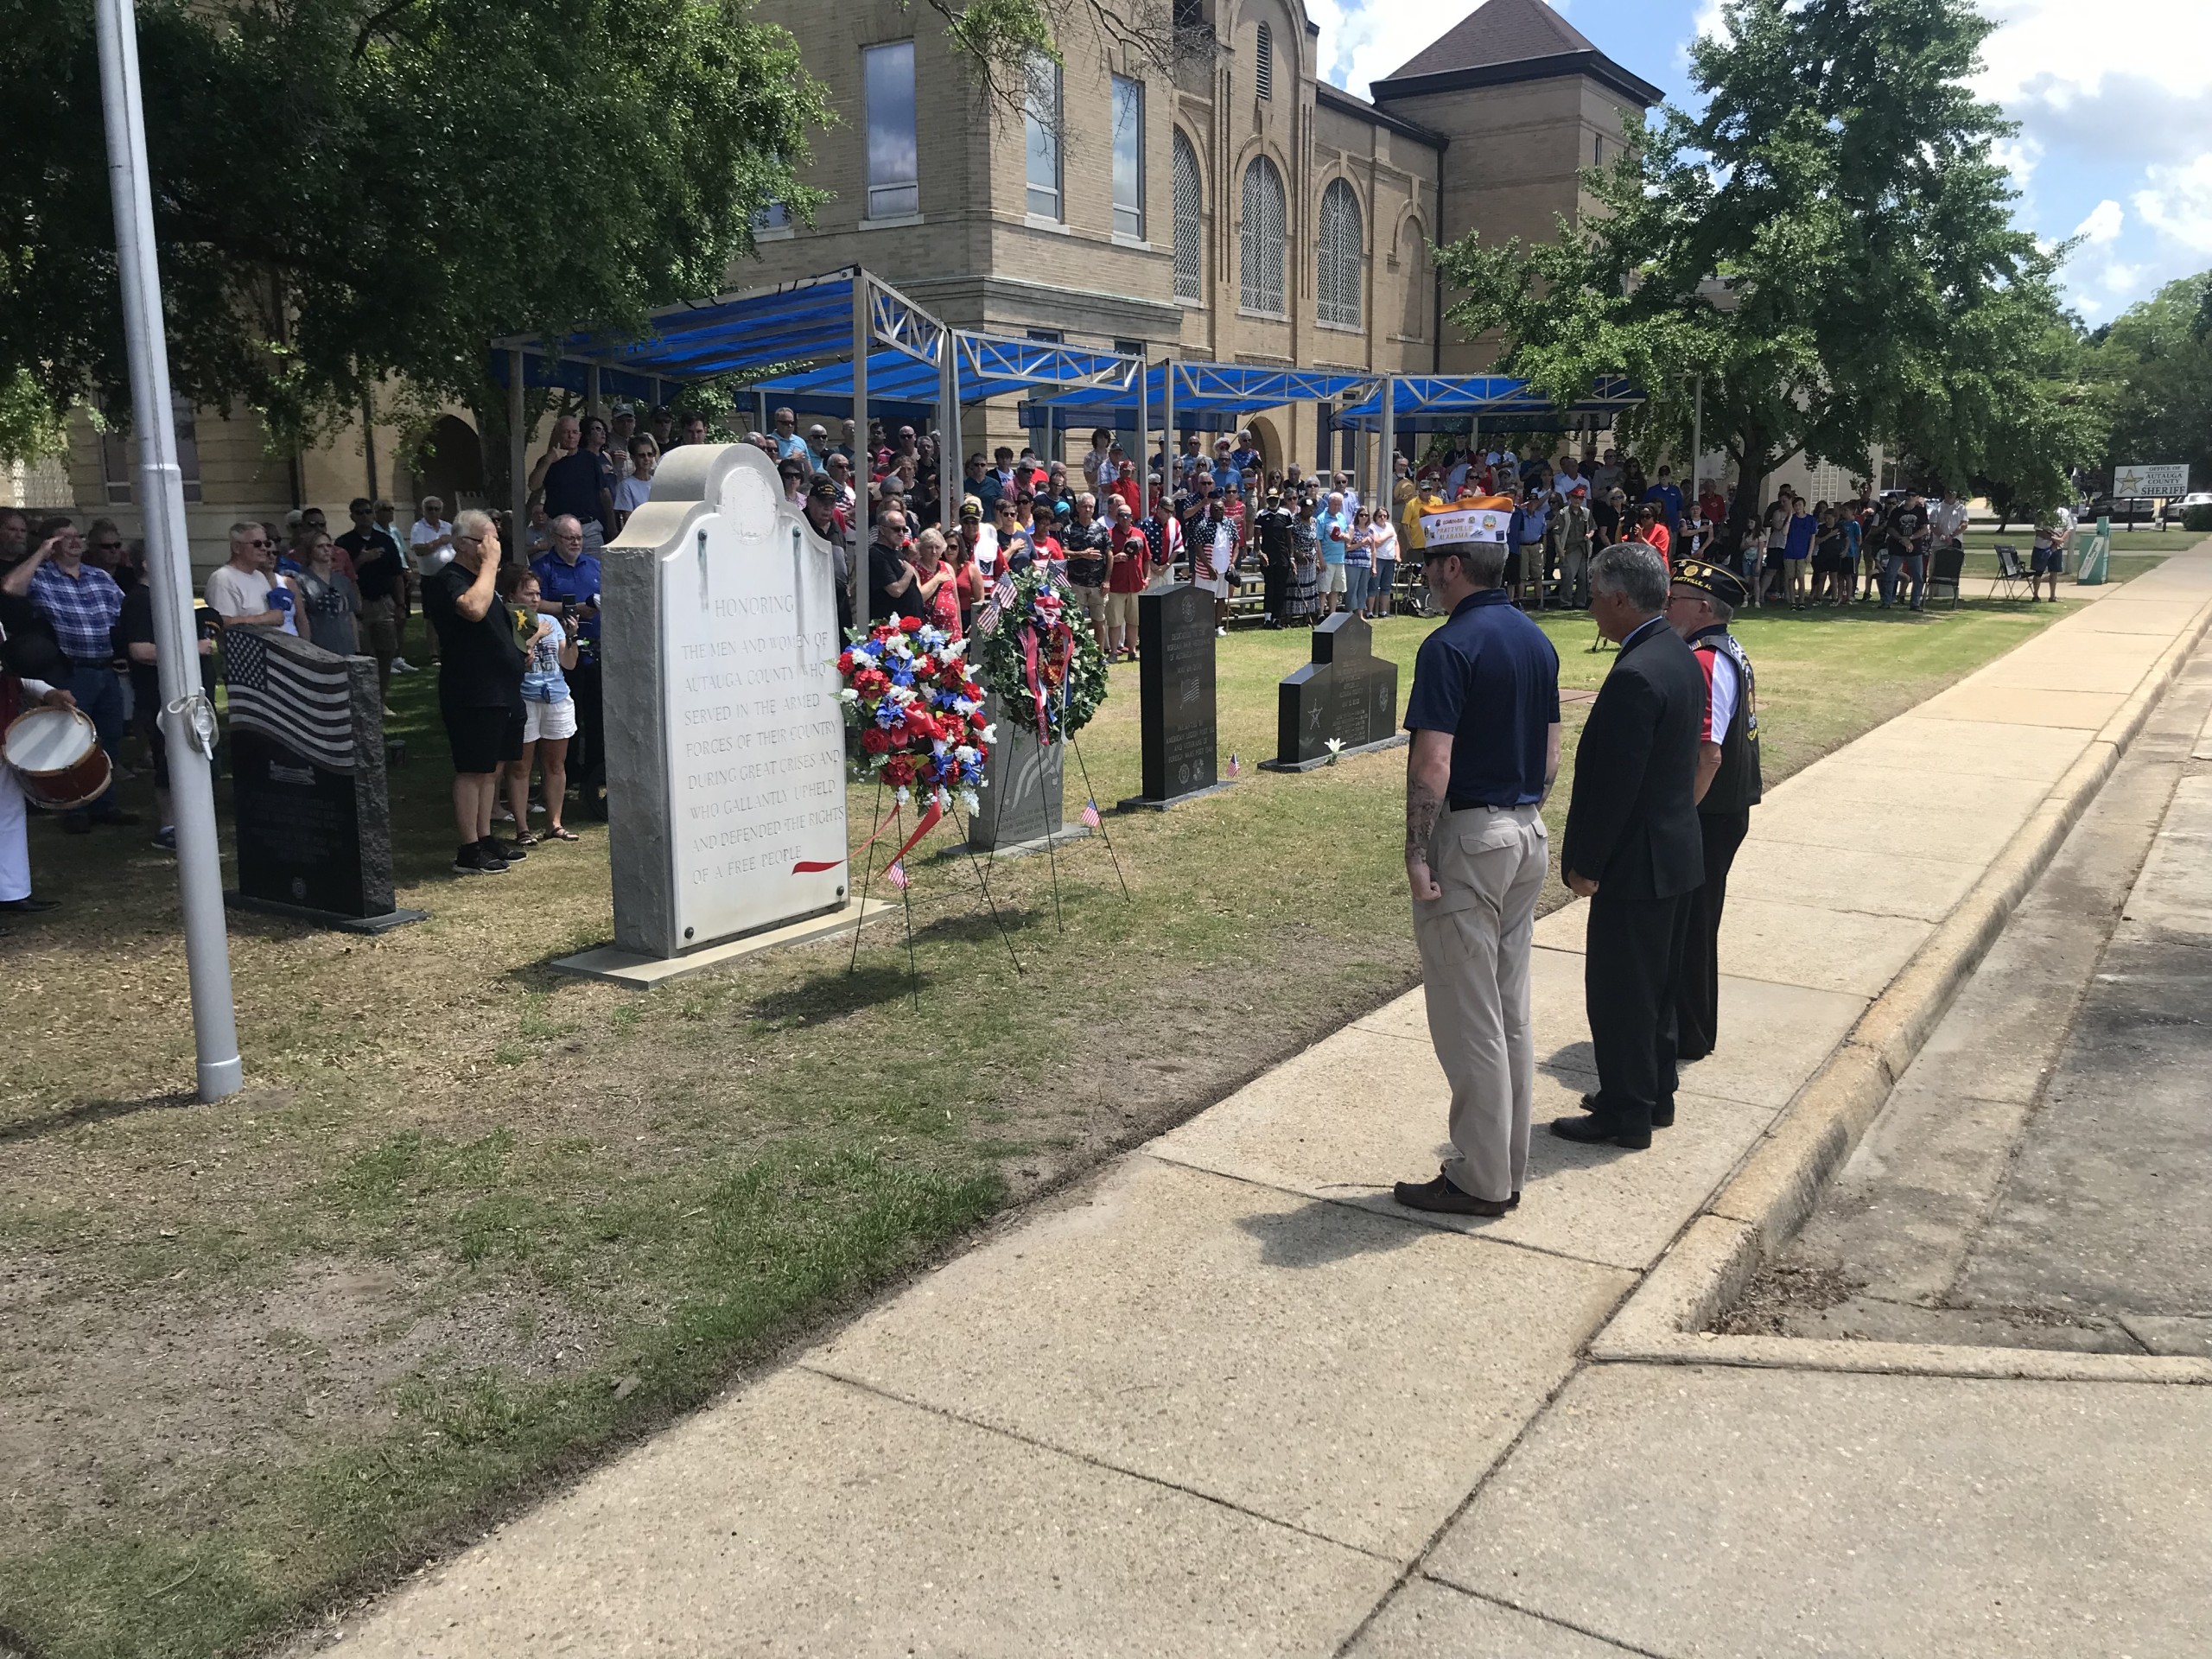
(751, 737)
(1466, 524)
(2143, 478)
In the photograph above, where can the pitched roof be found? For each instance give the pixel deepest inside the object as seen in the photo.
(1505, 41)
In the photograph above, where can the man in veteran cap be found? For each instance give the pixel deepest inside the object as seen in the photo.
(1700, 606)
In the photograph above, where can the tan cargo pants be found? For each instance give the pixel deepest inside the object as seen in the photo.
(1474, 944)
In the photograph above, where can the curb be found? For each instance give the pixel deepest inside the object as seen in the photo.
(1775, 1189)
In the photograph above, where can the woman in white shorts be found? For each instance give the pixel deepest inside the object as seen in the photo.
(549, 713)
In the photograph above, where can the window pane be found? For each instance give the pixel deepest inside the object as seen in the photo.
(1261, 280)
(1129, 156)
(1189, 201)
(894, 158)
(1040, 120)
(1339, 297)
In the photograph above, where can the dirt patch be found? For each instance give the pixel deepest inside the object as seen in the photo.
(1780, 1291)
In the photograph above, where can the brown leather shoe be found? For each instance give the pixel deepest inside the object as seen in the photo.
(1441, 1198)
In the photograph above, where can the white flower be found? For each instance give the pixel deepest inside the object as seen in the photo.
(969, 799)
(1336, 746)
(991, 732)
(937, 747)
(904, 795)
(848, 695)
(966, 754)
(957, 649)
(901, 694)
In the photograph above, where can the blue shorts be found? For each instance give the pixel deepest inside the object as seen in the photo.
(2045, 562)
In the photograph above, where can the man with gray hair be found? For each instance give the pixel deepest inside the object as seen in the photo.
(480, 664)
(1633, 848)
(1484, 719)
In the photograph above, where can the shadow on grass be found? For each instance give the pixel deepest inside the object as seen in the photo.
(92, 1111)
(836, 994)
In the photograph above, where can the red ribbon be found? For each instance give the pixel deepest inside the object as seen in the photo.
(930, 821)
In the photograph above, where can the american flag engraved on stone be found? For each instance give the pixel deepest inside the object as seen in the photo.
(306, 706)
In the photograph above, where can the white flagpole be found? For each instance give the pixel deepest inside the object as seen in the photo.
(188, 721)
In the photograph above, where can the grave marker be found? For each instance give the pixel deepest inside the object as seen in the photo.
(1346, 692)
(307, 795)
(1175, 678)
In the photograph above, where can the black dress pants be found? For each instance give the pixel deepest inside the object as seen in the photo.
(1633, 961)
(587, 749)
(1276, 595)
(1697, 997)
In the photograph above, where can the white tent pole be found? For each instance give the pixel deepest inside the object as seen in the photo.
(1144, 433)
(186, 720)
(951, 475)
(863, 337)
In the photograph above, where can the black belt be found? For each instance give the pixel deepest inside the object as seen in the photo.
(1458, 804)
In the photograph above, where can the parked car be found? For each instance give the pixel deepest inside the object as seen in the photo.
(2176, 510)
(2128, 510)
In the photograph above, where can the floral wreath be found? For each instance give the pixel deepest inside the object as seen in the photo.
(913, 718)
(1047, 672)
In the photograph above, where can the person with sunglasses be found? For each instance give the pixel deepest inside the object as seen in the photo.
(242, 590)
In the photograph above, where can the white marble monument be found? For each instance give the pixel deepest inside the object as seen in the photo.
(725, 742)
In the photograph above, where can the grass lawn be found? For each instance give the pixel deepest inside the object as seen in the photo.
(471, 1224)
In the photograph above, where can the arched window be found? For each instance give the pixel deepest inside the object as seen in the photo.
(1260, 277)
(1263, 63)
(1190, 203)
(1340, 250)
(1413, 263)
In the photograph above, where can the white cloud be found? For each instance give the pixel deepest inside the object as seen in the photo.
(2177, 203)
(1357, 45)
(2103, 223)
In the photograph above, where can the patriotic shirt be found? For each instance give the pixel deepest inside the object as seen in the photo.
(1722, 686)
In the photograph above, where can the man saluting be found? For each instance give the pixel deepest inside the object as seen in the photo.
(1704, 600)
(1633, 848)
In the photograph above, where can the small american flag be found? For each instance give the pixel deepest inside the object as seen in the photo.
(896, 874)
(1232, 763)
(292, 693)
(1090, 814)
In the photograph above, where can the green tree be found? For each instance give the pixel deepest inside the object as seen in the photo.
(347, 190)
(1829, 243)
(2155, 364)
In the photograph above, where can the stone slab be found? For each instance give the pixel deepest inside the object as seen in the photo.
(1596, 1204)
(810, 1518)
(1897, 816)
(1921, 743)
(612, 963)
(2187, 1336)
(1724, 1512)
(1820, 948)
(2122, 614)
(1296, 1358)
(1871, 881)
(2007, 706)
(1429, 1620)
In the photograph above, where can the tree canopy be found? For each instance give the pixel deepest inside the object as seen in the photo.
(345, 190)
(2154, 362)
(1828, 243)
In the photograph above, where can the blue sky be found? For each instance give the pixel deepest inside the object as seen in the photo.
(2113, 98)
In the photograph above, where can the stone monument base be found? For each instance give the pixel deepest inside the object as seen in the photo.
(1146, 804)
(622, 967)
(1398, 742)
(382, 924)
(1060, 837)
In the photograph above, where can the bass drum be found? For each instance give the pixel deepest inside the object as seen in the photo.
(56, 756)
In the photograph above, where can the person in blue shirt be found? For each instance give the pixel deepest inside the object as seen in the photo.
(567, 583)
(789, 445)
(1484, 714)
(1332, 534)
(1666, 496)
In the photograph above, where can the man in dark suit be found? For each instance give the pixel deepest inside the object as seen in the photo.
(1633, 847)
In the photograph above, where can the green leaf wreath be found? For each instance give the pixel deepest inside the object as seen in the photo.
(1028, 645)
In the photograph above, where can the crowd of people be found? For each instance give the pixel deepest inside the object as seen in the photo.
(1109, 523)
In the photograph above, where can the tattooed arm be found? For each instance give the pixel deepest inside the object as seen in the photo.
(1428, 776)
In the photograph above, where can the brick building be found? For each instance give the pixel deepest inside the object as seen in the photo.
(1219, 201)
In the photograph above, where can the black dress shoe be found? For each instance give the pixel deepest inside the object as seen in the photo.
(1662, 1117)
(1599, 1129)
(1442, 1198)
(28, 906)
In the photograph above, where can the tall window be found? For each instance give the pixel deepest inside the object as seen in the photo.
(1263, 64)
(1340, 250)
(1129, 157)
(1259, 276)
(894, 170)
(119, 457)
(1040, 125)
(1190, 203)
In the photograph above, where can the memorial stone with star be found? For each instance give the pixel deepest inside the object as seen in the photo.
(1346, 692)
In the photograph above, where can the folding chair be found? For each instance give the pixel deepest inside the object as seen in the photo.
(2010, 572)
(1950, 565)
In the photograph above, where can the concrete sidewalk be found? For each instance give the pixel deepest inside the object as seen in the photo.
(1228, 1400)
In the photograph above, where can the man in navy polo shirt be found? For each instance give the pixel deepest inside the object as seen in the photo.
(1484, 719)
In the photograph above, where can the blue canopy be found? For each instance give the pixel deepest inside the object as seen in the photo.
(988, 366)
(1205, 394)
(1429, 402)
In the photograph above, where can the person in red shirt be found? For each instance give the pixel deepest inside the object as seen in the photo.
(1129, 572)
(1711, 506)
(1652, 530)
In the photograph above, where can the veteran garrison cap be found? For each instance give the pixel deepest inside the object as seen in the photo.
(1719, 581)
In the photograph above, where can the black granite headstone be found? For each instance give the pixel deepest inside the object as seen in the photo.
(1346, 692)
(1020, 800)
(307, 797)
(1175, 675)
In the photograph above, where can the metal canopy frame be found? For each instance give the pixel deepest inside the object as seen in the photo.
(1447, 401)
